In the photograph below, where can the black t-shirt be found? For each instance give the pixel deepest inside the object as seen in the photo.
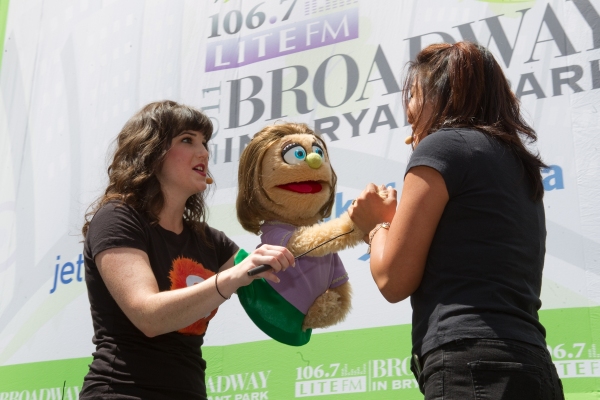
(127, 364)
(483, 273)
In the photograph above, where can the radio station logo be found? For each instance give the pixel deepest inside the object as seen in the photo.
(283, 39)
(371, 376)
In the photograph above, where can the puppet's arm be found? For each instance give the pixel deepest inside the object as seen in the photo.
(308, 237)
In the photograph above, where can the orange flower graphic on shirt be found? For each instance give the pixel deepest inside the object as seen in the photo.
(187, 272)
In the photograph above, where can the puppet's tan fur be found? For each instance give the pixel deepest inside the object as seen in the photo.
(330, 308)
(307, 237)
(303, 211)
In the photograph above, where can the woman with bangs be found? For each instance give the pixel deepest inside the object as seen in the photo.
(467, 240)
(155, 271)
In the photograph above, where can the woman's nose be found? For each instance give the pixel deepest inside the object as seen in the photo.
(203, 152)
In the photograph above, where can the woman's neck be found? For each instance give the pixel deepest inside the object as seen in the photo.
(171, 215)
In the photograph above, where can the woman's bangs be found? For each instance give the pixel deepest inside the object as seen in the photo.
(189, 119)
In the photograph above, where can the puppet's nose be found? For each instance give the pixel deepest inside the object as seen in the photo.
(314, 160)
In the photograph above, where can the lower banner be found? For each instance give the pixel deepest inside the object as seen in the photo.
(358, 364)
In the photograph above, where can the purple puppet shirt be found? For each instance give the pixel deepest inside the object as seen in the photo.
(311, 277)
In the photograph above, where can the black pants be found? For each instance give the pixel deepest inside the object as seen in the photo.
(486, 369)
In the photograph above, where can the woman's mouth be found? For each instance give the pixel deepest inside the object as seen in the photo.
(200, 169)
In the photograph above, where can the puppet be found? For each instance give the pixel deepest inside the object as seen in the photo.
(286, 188)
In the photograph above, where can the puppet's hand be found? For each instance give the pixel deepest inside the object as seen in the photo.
(330, 308)
(371, 208)
(383, 191)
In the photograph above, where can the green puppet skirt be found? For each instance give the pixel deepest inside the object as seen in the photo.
(273, 314)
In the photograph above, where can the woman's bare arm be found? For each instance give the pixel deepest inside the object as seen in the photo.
(398, 256)
(130, 280)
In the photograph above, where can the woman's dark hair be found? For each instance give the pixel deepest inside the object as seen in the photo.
(140, 150)
(464, 87)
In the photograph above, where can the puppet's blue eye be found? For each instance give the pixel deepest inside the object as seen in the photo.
(293, 153)
(317, 149)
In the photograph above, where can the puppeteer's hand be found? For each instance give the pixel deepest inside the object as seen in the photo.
(279, 258)
(372, 208)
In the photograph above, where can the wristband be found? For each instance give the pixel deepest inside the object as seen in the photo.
(217, 287)
(384, 225)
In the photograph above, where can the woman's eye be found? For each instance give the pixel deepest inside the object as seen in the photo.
(293, 154)
(186, 140)
(318, 150)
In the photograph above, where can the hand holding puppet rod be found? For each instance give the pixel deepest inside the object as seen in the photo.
(262, 268)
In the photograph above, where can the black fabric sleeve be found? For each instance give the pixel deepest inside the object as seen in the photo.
(447, 152)
(116, 225)
(224, 246)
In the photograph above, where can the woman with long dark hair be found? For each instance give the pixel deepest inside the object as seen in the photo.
(155, 271)
(467, 240)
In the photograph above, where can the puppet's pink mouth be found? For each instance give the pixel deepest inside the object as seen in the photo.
(302, 187)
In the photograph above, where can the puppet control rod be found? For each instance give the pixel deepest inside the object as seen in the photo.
(265, 267)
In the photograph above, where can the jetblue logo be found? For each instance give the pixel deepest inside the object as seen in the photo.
(68, 272)
(552, 178)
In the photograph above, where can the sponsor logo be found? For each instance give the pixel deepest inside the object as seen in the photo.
(552, 178)
(282, 39)
(241, 386)
(575, 360)
(265, 96)
(292, 38)
(372, 376)
(578, 369)
(64, 393)
(67, 273)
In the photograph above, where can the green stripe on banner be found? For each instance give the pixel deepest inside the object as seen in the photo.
(3, 19)
(369, 363)
(43, 380)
